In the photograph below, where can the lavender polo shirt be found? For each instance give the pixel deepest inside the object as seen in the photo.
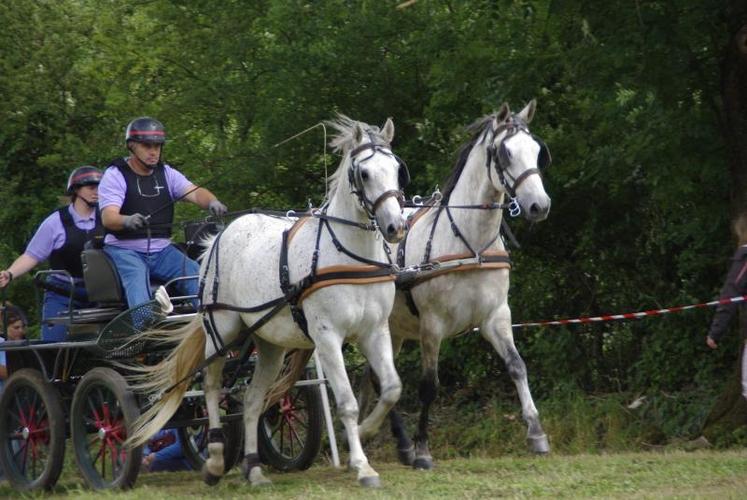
(51, 233)
(112, 190)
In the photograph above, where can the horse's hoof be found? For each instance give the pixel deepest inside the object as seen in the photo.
(257, 478)
(407, 455)
(539, 444)
(210, 479)
(370, 482)
(422, 463)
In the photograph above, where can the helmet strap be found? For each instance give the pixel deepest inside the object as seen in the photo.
(89, 204)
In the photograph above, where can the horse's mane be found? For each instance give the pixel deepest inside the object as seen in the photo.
(342, 142)
(478, 129)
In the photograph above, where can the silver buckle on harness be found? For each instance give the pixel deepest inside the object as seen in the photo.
(514, 209)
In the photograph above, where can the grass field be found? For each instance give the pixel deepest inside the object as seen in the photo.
(709, 474)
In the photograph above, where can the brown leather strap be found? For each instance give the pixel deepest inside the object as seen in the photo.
(496, 259)
(296, 226)
(358, 276)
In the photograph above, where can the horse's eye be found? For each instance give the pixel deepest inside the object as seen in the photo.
(364, 175)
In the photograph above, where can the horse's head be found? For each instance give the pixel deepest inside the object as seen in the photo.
(375, 174)
(516, 158)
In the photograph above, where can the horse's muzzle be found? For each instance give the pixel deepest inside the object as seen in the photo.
(395, 231)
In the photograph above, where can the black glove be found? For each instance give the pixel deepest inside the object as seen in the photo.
(217, 208)
(133, 222)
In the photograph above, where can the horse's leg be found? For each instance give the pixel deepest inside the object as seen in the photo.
(329, 345)
(213, 469)
(369, 386)
(430, 345)
(377, 347)
(497, 330)
(367, 391)
(269, 363)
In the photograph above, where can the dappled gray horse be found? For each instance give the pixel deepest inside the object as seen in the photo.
(329, 266)
(464, 276)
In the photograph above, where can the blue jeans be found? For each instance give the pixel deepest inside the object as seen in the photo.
(55, 304)
(136, 269)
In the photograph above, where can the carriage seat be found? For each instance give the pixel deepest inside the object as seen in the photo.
(104, 286)
(101, 278)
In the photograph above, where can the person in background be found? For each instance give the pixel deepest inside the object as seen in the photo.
(734, 285)
(137, 197)
(14, 324)
(163, 452)
(60, 239)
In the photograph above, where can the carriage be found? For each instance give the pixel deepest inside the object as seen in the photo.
(78, 393)
(338, 244)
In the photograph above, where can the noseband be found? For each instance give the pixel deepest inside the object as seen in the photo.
(499, 156)
(356, 181)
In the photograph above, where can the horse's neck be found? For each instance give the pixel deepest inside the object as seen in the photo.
(477, 226)
(359, 241)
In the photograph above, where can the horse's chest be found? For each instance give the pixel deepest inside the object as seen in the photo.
(455, 301)
(351, 307)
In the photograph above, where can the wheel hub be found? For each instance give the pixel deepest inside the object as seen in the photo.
(101, 433)
(25, 433)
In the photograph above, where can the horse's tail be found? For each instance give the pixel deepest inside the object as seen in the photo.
(171, 374)
(294, 368)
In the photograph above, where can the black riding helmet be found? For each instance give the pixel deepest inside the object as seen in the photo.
(83, 176)
(145, 129)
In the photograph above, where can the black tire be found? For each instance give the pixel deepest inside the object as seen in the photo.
(103, 410)
(32, 431)
(289, 433)
(194, 437)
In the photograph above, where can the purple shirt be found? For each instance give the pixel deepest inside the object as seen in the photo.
(112, 190)
(51, 233)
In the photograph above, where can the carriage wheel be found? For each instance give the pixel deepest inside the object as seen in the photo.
(290, 432)
(194, 437)
(103, 409)
(32, 431)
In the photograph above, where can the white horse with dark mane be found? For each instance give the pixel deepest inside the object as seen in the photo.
(324, 277)
(463, 276)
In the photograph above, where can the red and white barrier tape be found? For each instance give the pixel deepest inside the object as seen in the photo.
(633, 315)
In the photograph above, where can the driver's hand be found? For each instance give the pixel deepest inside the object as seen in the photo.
(133, 222)
(5, 278)
(217, 208)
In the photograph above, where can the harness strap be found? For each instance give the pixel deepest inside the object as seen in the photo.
(346, 275)
(458, 233)
(340, 248)
(491, 259)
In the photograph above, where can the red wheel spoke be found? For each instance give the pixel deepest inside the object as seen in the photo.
(94, 412)
(24, 458)
(294, 433)
(92, 441)
(99, 454)
(103, 458)
(20, 413)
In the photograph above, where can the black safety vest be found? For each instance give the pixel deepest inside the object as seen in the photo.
(67, 257)
(146, 195)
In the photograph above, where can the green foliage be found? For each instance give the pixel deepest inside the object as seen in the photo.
(628, 101)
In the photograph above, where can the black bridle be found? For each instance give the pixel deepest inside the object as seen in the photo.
(501, 160)
(356, 180)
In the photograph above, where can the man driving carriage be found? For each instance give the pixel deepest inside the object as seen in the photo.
(61, 238)
(137, 196)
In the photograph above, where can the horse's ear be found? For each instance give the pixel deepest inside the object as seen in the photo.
(527, 113)
(387, 132)
(357, 133)
(502, 113)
